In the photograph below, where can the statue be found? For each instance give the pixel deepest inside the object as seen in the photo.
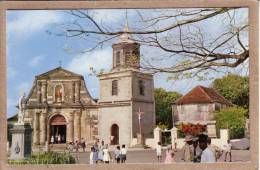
(21, 109)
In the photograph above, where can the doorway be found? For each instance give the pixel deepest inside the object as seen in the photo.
(58, 130)
(114, 134)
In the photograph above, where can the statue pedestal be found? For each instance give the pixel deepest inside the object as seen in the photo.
(140, 141)
(21, 141)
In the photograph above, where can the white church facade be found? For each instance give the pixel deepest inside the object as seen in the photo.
(60, 106)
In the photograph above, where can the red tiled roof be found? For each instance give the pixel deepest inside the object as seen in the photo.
(201, 94)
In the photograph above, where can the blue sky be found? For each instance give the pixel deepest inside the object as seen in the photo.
(32, 49)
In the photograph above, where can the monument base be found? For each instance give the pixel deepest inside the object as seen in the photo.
(21, 141)
(140, 141)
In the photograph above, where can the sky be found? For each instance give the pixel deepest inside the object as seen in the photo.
(33, 47)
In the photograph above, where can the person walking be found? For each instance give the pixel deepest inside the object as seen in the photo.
(117, 154)
(169, 155)
(123, 152)
(227, 149)
(159, 151)
(106, 156)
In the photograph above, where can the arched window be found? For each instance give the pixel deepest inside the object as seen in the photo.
(58, 93)
(117, 58)
(141, 87)
(114, 87)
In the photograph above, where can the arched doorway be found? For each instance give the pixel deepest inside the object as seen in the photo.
(58, 129)
(114, 134)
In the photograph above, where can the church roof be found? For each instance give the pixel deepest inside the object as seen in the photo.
(59, 72)
(201, 94)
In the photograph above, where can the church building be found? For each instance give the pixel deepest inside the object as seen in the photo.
(60, 108)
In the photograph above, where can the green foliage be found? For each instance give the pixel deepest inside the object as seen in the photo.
(163, 104)
(232, 118)
(46, 158)
(234, 88)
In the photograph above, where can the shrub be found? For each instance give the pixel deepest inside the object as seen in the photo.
(47, 158)
(232, 118)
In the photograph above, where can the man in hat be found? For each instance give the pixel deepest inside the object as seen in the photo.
(188, 149)
(207, 154)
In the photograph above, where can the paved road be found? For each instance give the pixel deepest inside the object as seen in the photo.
(148, 156)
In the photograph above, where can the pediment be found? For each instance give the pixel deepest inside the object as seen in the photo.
(58, 73)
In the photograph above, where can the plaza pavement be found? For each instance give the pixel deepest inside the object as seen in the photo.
(149, 156)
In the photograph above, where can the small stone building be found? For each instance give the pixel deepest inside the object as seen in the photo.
(198, 106)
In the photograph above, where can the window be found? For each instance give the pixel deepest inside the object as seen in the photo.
(58, 93)
(141, 87)
(114, 87)
(117, 58)
(127, 57)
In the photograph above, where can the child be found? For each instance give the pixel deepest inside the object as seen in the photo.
(159, 152)
(228, 151)
(169, 156)
(117, 154)
(123, 154)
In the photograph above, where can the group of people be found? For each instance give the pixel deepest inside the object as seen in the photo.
(75, 146)
(200, 149)
(57, 139)
(100, 154)
(169, 153)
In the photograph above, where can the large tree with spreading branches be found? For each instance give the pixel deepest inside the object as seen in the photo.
(182, 34)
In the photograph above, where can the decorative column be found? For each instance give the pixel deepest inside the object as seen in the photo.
(77, 126)
(70, 128)
(39, 100)
(77, 91)
(44, 92)
(36, 129)
(42, 128)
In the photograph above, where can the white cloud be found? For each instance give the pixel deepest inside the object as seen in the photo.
(100, 59)
(26, 23)
(35, 61)
(107, 16)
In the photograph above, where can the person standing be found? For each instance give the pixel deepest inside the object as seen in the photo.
(196, 150)
(83, 144)
(59, 138)
(117, 154)
(76, 146)
(159, 151)
(91, 155)
(95, 153)
(227, 149)
(169, 156)
(101, 152)
(207, 155)
(106, 156)
(123, 152)
(187, 149)
(52, 139)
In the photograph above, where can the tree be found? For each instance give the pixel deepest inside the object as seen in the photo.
(179, 33)
(163, 106)
(234, 88)
(232, 118)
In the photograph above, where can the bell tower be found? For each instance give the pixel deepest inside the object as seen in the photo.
(126, 53)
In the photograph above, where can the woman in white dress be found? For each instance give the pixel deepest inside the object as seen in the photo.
(106, 156)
